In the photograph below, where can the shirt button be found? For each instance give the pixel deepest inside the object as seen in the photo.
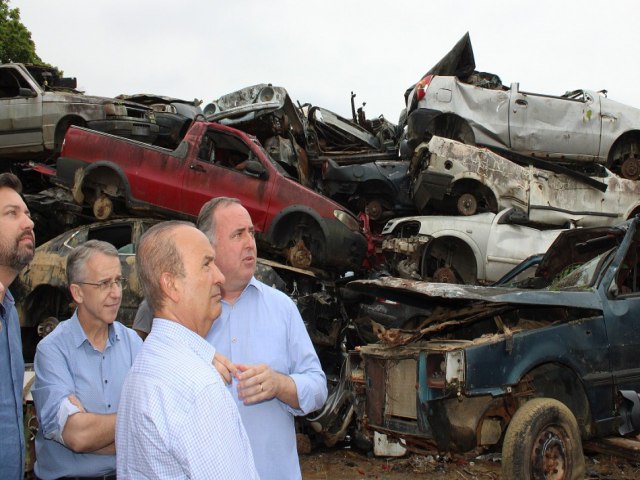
(106, 381)
(234, 340)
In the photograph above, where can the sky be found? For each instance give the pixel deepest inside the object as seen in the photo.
(321, 51)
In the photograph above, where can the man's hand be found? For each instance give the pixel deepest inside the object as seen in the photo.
(258, 383)
(225, 367)
(74, 400)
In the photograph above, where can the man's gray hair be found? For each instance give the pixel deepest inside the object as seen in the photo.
(158, 253)
(206, 222)
(79, 256)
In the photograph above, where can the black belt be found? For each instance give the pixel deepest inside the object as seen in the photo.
(111, 476)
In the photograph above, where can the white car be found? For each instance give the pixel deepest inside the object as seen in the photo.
(577, 127)
(474, 249)
(452, 175)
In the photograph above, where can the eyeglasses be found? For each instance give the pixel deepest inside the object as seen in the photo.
(105, 285)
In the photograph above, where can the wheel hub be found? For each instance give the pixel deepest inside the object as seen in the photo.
(467, 204)
(299, 255)
(549, 456)
(374, 209)
(631, 168)
(444, 275)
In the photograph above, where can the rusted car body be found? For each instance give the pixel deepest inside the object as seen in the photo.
(472, 249)
(302, 137)
(565, 338)
(454, 177)
(577, 127)
(34, 115)
(113, 174)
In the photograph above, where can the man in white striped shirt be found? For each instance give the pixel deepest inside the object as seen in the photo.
(176, 418)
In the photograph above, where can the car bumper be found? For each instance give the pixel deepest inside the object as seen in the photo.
(133, 129)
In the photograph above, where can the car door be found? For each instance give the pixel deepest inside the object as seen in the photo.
(509, 243)
(20, 114)
(622, 316)
(565, 128)
(557, 199)
(220, 169)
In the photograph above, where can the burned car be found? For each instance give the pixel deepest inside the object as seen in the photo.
(301, 137)
(456, 178)
(532, 370)
(479, 248)
(580, 126)
(37, 107)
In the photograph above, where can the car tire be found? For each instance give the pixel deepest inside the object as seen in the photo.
(543, 441)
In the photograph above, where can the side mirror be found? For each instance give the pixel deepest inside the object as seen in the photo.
(26, 92)
(254, 168)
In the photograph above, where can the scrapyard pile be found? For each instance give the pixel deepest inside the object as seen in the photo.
(420, 244)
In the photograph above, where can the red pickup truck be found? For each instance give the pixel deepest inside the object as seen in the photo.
(111, 174)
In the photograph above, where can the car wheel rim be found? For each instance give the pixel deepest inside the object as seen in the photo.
(549, 456)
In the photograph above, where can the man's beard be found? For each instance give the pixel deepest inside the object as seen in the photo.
(17, 257)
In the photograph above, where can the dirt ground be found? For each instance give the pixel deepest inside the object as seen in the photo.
(347, 464)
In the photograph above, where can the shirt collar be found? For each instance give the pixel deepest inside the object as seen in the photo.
(191, 339)
(79, 337)
(7, 303)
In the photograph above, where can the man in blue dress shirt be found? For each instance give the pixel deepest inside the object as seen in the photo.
(176, 419)
(264, 345)
(80, 368)
(17, 245)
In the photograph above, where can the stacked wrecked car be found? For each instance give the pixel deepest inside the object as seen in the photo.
(418, 247)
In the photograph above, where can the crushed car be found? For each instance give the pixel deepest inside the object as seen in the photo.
(381, 189)
(531, 370)
(172, 115)
(577, 127)
(472, 249)
(301, 137)
(109, 175)
(456, 178)
(37, 106)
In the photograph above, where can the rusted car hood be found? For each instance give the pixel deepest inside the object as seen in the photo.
(415, 292)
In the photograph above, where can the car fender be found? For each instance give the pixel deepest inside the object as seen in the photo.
(120, 174)
(291, 210)
(469, 241)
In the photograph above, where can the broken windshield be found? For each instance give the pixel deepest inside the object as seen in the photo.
(581, 275)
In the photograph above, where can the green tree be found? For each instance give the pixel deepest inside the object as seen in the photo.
(16, 44)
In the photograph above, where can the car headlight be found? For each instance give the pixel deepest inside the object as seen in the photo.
(347, 219)
(445, 369)
(266, 94)
(115, 110)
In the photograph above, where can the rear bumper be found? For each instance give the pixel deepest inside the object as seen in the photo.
(134, 129)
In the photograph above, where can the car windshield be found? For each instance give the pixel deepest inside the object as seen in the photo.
(580, 275)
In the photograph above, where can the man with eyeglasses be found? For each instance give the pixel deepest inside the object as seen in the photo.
(80, 368)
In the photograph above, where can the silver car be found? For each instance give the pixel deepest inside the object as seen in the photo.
(475, 249)
(578, 127)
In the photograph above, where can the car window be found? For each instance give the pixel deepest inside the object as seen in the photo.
(9, 84)
(628, 276)
(581, 275)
